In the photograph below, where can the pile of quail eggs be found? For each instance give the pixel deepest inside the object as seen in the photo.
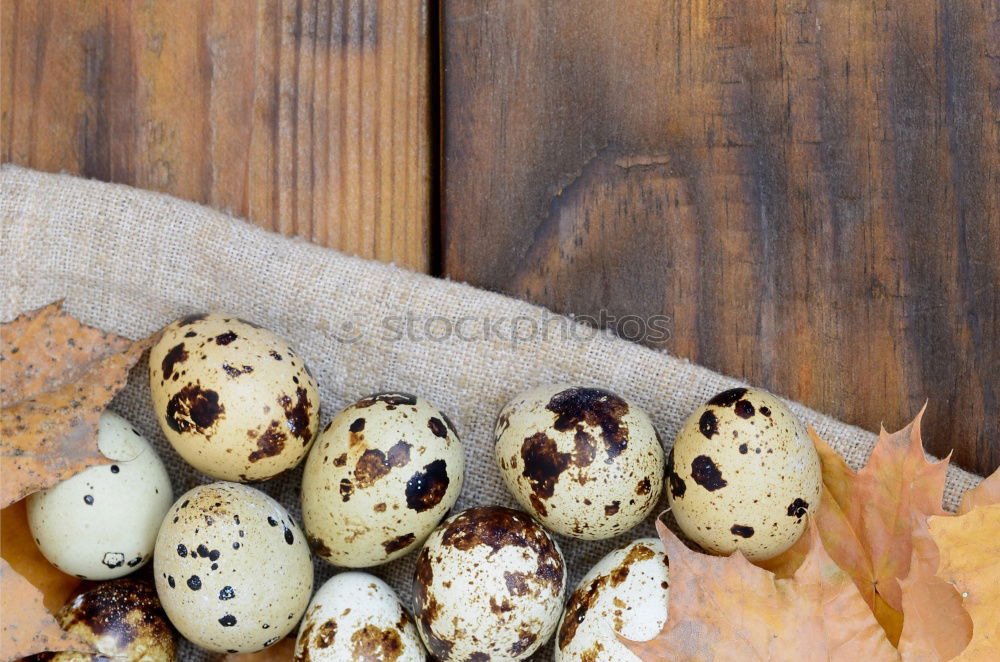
(233, 571)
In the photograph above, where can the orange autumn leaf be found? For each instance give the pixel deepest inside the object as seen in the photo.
(283, 651)
(935, 625)
(725, 608)
(28, 627)
(56, 377)
(865, 518)
(18, 549)
(984, 494)
(969, 546)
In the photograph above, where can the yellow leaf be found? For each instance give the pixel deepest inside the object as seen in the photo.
(936, 626)
(969, 546)
(865, 518)
(725, 608)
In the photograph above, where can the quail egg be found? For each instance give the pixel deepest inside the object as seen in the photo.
(233, 399)
(585, 462)
(742, 475)
(379, 479)
(232, 569)
(122, 619)
(357, 616)
(101, 523)
(489, 585)
(626, 593)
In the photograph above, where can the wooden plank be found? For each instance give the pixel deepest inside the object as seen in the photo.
(309, 117)
(808, 190)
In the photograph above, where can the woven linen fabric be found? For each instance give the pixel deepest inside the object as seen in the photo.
(131, 261)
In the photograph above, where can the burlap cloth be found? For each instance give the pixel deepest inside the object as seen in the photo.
(131, 261)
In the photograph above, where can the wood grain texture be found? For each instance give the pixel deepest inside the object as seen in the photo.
(309, 117)
(808, 189)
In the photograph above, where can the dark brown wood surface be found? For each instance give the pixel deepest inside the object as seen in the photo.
(309, 117)
(808, 190)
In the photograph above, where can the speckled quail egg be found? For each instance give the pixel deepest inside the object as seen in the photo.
(122, 619)
(742, 475)
(232, 569)
(625, 592)
(489, 585)
(584, 461)
(101, 523)
(379, 479)
(357, 616)
(233, 399)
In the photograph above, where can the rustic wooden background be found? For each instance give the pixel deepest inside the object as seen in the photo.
(807, 192)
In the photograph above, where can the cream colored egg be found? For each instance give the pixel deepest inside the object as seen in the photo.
(233, 399)
(380, 478)
(585, 462)
(357, 616)
(122, 619)
(101, 523)
(489, 585)
(742, 475)
(232, 569)
(626, 592)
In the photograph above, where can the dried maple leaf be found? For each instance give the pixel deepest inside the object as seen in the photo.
(936, 626)
(28, 627)
(865, 518)
(725, 608)
(282, 651)
(18, 549)
(56, 377)
(984, 494)
(969, 546)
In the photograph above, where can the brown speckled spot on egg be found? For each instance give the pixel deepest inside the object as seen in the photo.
(644, 486)
(437, 427)
(194, 408)
(340, 460)
(357, 426)
(743, 409)
(374, 464)
(269, 444)
(297, 414)
(319, 546)
(637, 553)
(517, 583)
(346, 489)
(390, 399)
(742, 531)
(708, 424)
(398, 543)
(612, 508)
(525, 639)
(597, 408)
(426, 608)
(326, 634)
(426, 488)
(177, 354)
(677, 485)
(798, 508)
(727, 398)
(579, 604)
(373, 643)
(543, 463)
(225, 338)
(705, 473)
